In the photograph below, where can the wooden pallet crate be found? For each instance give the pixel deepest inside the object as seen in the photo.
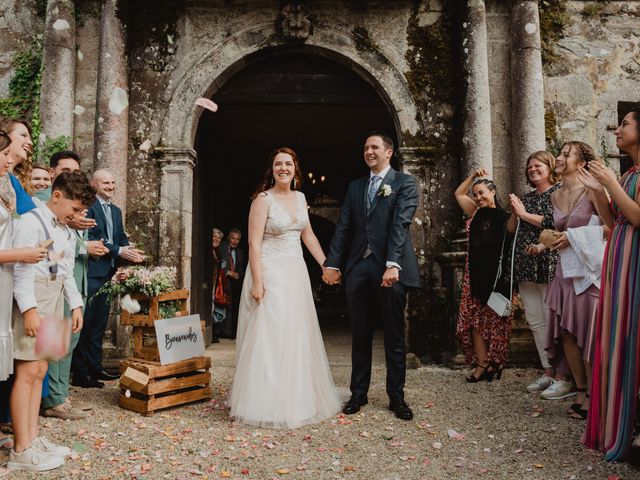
(147, 386)
(147, 319)
(145, 345)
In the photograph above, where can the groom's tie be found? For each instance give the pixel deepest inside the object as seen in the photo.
(374, 182)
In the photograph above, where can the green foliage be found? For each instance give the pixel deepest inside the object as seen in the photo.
(51, 146)
(553, 19)
(168, 309)
(24, 86)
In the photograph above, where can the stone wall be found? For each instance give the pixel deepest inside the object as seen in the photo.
(597, 65)
(19, 21)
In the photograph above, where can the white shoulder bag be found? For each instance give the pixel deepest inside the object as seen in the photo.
(497, 302)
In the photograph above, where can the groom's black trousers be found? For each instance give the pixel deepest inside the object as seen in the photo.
(367, 302)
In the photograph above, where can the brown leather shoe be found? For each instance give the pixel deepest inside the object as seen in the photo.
(85, 407)
(64, 412)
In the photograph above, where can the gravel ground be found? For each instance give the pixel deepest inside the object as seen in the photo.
(460, 431)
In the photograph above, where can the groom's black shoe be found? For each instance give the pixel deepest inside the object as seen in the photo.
(354, 404)
(401, 409)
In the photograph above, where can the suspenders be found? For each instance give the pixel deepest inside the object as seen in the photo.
(53, 268)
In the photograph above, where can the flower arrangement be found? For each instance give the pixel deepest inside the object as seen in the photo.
(149, 281)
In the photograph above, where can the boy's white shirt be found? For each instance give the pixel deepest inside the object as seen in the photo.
(28, 232)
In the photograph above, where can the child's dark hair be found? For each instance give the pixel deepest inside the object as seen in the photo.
(75, 186)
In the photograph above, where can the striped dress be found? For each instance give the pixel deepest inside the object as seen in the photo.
(616, 368)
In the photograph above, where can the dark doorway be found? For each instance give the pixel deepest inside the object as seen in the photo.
(320, 108)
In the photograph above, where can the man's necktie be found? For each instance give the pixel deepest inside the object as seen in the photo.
(109, 217)
(232, 260)
(374, 182)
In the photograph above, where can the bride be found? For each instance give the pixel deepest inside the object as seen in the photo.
(282, 376)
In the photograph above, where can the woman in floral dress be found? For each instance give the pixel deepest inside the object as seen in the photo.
(534, 272)
(484, 334)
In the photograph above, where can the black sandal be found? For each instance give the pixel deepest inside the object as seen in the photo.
(575, 410)
(485, 375)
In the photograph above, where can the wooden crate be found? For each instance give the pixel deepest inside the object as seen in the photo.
(152, 386)
(147, 319)
(145, 345)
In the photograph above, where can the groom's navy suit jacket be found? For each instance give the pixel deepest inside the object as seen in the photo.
(385, 228)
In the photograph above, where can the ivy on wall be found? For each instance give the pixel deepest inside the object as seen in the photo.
(24, 97)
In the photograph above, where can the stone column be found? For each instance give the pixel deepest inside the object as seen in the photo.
(527, 91)
(57, 93)
(112, 102)
(176, 209)
(414, 161)
(477, 126)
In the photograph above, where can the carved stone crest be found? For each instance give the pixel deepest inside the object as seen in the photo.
(294, 24)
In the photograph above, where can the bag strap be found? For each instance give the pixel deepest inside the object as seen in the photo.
(53, 268)
(513, 254)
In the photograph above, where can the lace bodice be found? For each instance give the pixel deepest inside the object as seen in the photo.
(282, 232)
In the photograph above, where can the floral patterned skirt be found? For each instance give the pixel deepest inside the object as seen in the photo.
(495, 329)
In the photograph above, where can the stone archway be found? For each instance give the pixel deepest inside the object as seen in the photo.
(203, 76)
(285, 96)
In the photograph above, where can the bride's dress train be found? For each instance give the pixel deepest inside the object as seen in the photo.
(282, 376)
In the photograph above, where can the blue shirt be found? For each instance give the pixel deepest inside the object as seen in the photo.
(24, 202)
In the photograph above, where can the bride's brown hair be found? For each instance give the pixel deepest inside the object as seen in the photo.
(267, 179)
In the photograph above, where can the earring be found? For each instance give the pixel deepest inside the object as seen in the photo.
(294, 184)
(273, 181)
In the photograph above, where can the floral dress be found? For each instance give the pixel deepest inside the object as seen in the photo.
(495, 330)
(539, 268)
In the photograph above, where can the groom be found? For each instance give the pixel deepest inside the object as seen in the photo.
(372, 250)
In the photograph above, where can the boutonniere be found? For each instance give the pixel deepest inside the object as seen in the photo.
(385, 191)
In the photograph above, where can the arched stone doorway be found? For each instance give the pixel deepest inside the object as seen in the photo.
(283, 97)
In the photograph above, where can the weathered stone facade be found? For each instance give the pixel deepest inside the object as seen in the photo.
(463, 85)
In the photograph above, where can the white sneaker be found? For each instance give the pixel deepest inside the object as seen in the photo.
(45, 446)
(540, 384)
(558, 389)
(33, 460)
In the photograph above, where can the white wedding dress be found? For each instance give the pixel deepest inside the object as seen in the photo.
(282, 377)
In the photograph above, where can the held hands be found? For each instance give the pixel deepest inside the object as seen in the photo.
(76, 320)
(31, 322)
(257, 292)
(132, 254)
(331, 276)
(391, 275)
(96, 248)
(234, 275)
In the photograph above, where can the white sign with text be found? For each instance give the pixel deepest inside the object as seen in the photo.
(179, 338)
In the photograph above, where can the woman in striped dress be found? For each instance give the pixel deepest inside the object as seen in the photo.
(616, 373)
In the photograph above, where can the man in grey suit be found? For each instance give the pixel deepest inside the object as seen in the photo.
(372, 250)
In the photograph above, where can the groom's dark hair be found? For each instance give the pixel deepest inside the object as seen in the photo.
(386, 139)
